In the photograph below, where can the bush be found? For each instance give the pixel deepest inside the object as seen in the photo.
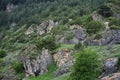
(114, 21)
(47, 42)
(114, 27)
(18, 67)
(87, 66)
(2, 53)
(105, 11)
(94, 26)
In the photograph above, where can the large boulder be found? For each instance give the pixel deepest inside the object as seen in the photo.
(64, 61)
(39, 64)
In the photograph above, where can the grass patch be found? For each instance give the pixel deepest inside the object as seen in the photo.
(66, 46)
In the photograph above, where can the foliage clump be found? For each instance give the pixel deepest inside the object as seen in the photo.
(47, 42)
(18, 67)
(94, 27)
(2, 53)
(105, 11)
(87, 65)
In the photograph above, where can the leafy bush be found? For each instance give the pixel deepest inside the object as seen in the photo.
(18, 67)
(94, 26)
(47, 42)
(105, 11)
(114, 21)
(87, 66)
(86, 19)
(2, 53)
(114, 27)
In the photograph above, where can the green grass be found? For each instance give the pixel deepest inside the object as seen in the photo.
(63, 77)
(66, 46)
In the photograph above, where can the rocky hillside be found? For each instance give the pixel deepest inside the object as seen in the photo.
(59, 40)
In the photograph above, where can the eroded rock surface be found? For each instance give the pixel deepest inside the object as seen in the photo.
(64, 61)
(44, 27)
(38, 66)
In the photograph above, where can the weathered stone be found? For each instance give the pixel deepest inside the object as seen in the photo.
(80, 33)
(110, 66)
(115, 76)
(64, 61)
(62, 56)
(44, 27)
(38, 65)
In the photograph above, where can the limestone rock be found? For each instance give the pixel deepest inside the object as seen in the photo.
(110, 66)
(64, 61)
(115, 76)
(38, 65)
(44, 27)
(80, 34)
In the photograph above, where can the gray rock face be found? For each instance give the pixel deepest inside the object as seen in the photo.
(108, 37)
(44, 27)
(64, 61)
(80, 34)
(110, 66)
(39, 65)
(115, 76)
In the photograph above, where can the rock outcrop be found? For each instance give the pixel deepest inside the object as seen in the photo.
(38, 65)
(64, 61)
(115, 76)
(108, 37)
(110, 67)
(78, 34)
(44, 27)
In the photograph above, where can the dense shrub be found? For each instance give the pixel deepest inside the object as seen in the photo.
(86, 19)
(114, 27)
(18, 67)
(94, 26)
(2, 53)
(114, 21)
(47, 42)
(87, 66)
(105, 11)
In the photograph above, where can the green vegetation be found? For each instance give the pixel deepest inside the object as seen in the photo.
(78, 46)
(87, 66)
(114, 21)
(18, 67)
(58, 30)
(105, 11)
(47, 42)
(39, 10)
(2, 53)
(94, 27)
